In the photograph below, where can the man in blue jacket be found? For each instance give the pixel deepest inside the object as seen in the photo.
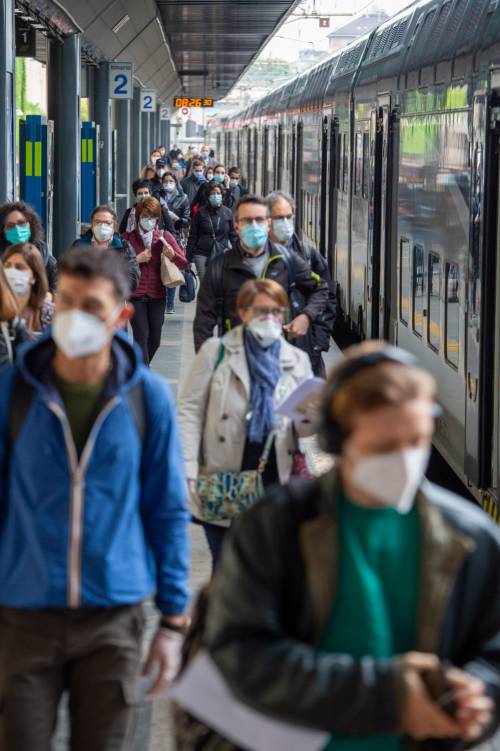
(93, 518)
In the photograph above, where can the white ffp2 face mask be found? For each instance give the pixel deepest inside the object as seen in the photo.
(148, 224)
(79, 334)
(103, 232)
(20, 281)
(392, 478)
(265, 330)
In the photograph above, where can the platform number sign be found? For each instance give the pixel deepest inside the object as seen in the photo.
(148, 100)
(121, 85)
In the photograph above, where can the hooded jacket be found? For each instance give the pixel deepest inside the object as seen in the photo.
(124, 249)
(104, 530)
(177, 202)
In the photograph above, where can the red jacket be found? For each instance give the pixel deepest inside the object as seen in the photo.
(151, 284)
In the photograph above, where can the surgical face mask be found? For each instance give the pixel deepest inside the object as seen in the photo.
(169, 187)
(215, 200)
(147, 223)
(219, 178)
(233, 182)
(254, 235)
(265, 330)
(205, 154)
(18, 234)
(199, 176)
(79, 334)
(142, 196)
(392, 478)
(175, 165)
(102, 232)
(283, 229)
(161, 172)
(210, 177)
(19, 280)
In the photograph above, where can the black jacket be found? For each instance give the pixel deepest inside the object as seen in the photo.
(178, 204)
(211, 226)
(272, 596)
(235, 272)
(322, 328)
(17, 333)
(164, 223)
(124, 249)
(233, 195)
(190, 185)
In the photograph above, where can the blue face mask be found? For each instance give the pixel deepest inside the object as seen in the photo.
(218, 178)
(283, 229)
(199, 176)
(254, 236)
(215, 200)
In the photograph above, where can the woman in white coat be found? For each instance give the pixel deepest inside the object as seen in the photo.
(227, 403)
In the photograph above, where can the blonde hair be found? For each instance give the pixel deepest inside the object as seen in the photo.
(253, 287)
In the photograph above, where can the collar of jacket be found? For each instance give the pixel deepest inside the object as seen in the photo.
(234, 349)
(35, 365)
(443, 551)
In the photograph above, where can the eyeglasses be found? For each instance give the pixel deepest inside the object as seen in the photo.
(246, 221)
(107, 222)
(262, 312)
(20, 223)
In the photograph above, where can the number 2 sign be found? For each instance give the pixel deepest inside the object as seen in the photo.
(148, 100)
(121, 81)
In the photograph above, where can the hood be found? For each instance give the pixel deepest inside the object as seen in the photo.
(35, 363)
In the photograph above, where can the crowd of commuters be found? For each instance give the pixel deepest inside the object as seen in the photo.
(363, 603)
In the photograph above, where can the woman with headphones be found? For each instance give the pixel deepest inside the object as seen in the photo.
(365, 603)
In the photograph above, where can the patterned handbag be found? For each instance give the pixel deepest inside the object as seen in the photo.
(224, 495)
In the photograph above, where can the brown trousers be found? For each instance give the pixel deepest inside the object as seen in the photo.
(93, 653)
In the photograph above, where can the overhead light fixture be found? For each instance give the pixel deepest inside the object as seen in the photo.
(38, 26)
(121, 23)
(18, 11)
(27, 17)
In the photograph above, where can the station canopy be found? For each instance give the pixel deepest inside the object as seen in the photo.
(187, 48)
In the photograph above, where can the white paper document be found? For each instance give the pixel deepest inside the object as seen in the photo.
(302, 402)
(202, 691)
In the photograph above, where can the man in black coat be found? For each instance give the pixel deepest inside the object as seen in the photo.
(235, 189)
(254, 256)
(340, 603)
(191, 184)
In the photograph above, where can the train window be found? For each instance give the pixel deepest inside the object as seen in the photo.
(338, 156)
(366, 164)
(404, 280)
(418, 290)
(345, 164)
(433, 301)
(452, 314)
(359, 165)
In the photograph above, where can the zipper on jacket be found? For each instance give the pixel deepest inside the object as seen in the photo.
(77, 496)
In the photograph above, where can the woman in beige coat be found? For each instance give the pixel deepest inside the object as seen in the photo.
(227, 403)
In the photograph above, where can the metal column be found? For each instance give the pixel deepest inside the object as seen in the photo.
(8, 100)
(145, 138)
(157, 120)
(64, 109)
(123, 119)
(153, 137)
(137, 159)
(102, 108)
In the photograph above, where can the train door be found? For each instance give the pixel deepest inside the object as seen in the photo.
(294, 161)
(248, 165)
(378, 220)
(333, 185)
(481, 271)
(265, 162)
(324, 188)
(279, 159)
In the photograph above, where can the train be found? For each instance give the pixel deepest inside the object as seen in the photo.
(390, 148)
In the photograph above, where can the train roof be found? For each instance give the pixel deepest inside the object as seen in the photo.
(423, 34)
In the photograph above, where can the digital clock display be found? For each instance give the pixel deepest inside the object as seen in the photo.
(186, 101)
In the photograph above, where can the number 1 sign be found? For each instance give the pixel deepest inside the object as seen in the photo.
(148, 100)
(121, 81)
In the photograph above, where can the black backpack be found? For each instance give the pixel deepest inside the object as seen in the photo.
(22, 396)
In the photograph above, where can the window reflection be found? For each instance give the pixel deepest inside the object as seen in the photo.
(452, 322)
(434, 307)
(418, 290)
(404, 281)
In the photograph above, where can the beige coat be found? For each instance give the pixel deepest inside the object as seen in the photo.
(214, 402)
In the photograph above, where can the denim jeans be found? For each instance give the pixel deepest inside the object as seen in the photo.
(170, 297)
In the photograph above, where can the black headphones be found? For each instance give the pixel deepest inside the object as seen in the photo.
(331, 434)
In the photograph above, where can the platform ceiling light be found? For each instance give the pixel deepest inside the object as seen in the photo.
(121, 23)
(27, 17)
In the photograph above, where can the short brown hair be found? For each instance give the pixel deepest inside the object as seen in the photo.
(34, 259)
(9, 307)
(254, 287)
(381, 385)
(149, 205)
(89, 262)
(103, 208)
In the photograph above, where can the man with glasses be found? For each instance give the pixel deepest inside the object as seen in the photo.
(93, 519)
(282, 211)
(255, 256)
